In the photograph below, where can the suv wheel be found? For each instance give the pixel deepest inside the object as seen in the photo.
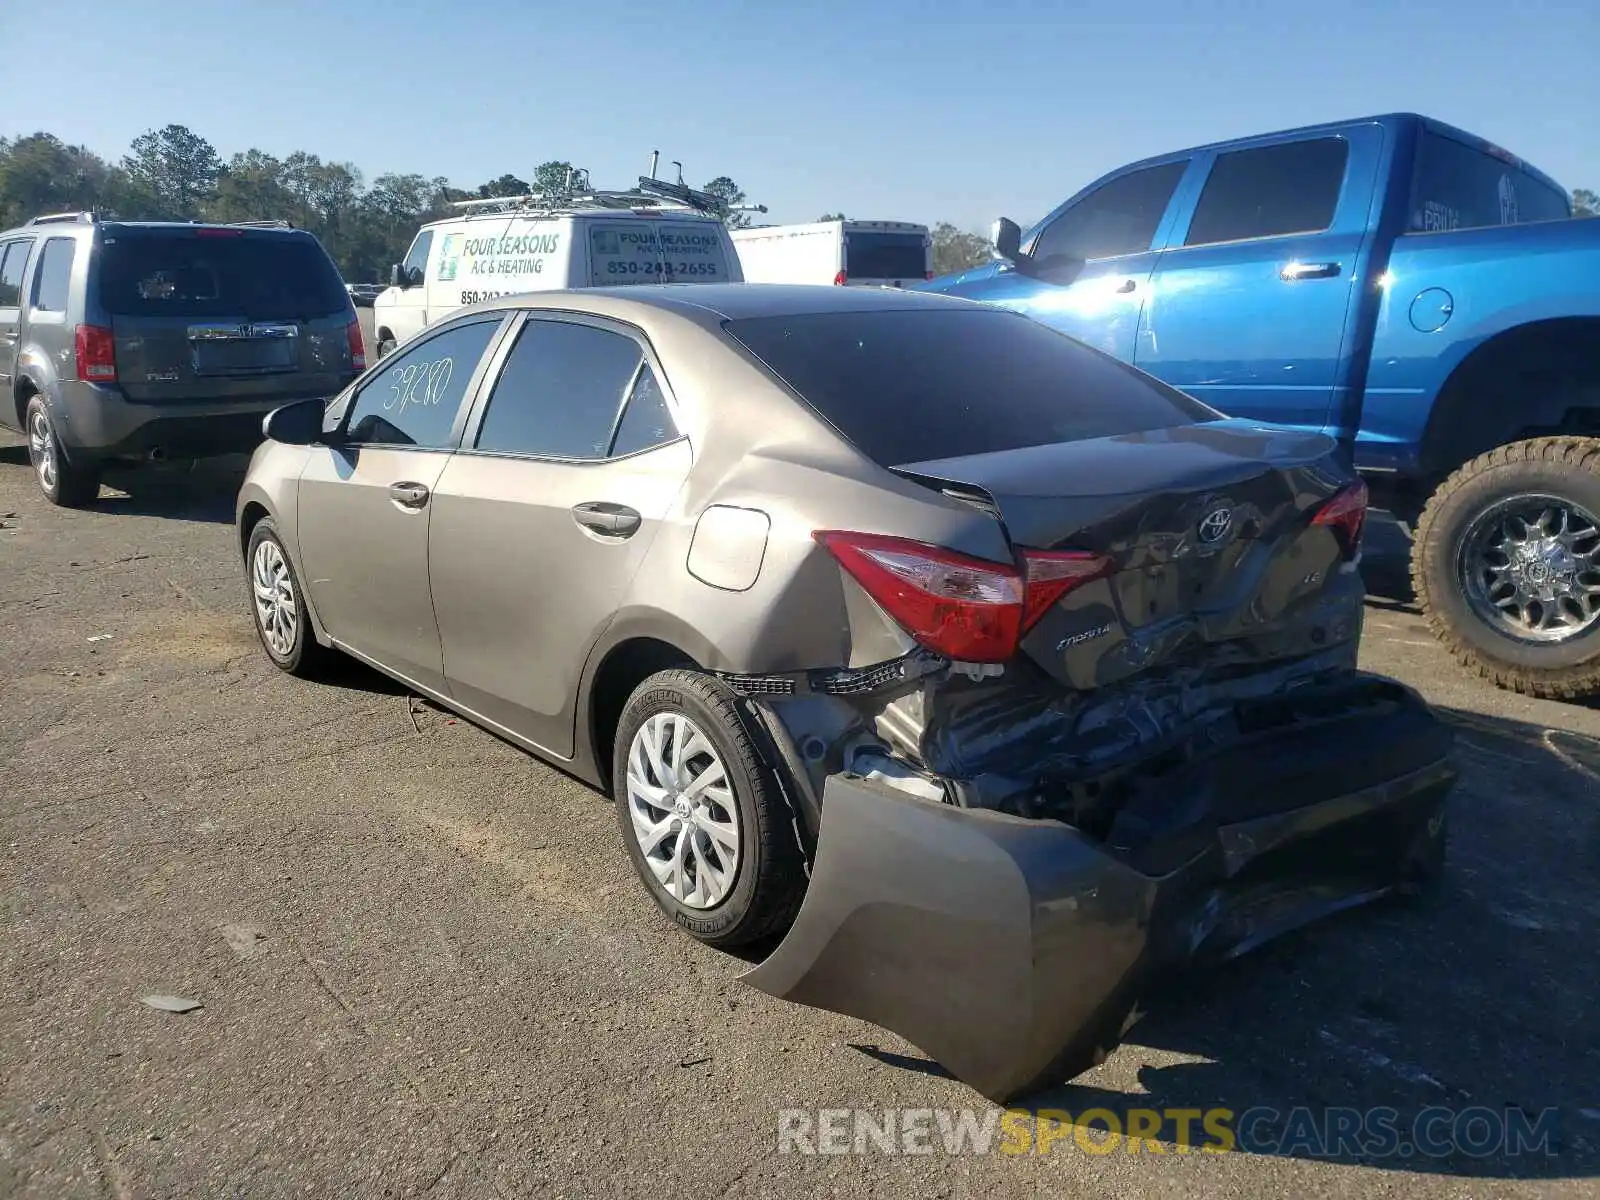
(705, 820)
(64, 482)
(1506, 566)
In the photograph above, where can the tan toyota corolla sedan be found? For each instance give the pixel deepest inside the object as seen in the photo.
(995, 673)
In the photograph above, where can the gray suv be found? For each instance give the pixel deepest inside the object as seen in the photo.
(140, 340)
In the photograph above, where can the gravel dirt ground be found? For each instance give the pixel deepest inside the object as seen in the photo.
(425, 966)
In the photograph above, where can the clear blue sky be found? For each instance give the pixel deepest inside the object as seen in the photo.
(944, 109)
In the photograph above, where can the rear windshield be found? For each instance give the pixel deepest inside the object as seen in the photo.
(627, 252)
(183, 274)
(885, 255)
(908, 386)
(1459, 187)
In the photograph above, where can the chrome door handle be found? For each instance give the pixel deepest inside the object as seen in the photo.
(408, 495)
(1300, 270)
(611, 520)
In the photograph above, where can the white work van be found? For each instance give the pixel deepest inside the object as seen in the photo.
(848, 253)
(658, 233)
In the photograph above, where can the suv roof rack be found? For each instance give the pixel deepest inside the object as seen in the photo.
(576, 193)
(279, 223)
(86, 217)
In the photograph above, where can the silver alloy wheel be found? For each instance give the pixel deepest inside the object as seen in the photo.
(42, 449)
(683, 811)
(276, 612)
(1531, 566)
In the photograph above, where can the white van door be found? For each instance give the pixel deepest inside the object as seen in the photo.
(671, 251)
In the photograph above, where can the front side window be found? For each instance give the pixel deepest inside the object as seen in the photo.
(52, 284)
(1270, 191)
(413, 399)
(13, 261)
(560, 390)
(417, 256)
(1120, 217)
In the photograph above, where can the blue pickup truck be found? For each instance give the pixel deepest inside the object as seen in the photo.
(1418, 293)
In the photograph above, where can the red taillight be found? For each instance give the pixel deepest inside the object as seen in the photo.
(96, 351)
(1346, 514)
(358, 345)
(927, 274)
(968, 609)
(838, 280)
(1051, 574)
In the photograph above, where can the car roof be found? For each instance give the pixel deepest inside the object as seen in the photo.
(712, 303)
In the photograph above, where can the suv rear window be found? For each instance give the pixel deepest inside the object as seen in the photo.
(911, 385)
(258, 277)
(885, 255)
(1459, 187)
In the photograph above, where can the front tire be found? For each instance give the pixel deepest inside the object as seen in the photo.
(278, 605)
(1506, 566)
(69, 483)
(703, 816)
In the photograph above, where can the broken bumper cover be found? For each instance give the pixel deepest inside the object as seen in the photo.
(1012, 950)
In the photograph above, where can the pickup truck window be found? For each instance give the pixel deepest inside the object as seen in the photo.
(1120, 217)
(1459, 187)
(1270, 191)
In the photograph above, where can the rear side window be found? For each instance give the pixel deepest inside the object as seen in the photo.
(909, 386)
(1270, 191)
(223, 274)
(413, 399)
(13, 260)
(870, 255)
(1120, 217)
(560, 390)
(52, 283)
(645, 419)
(1459, 187)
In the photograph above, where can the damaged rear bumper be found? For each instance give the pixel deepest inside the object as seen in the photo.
(1012, 950)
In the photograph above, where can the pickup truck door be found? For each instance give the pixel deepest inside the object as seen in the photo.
(1089, 263)
(1250, 307)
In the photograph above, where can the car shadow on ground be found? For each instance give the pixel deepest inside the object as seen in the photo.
(181, 491)
(1435, 1017)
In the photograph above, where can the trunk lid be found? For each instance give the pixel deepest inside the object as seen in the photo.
(210, 313)
(1208, 531)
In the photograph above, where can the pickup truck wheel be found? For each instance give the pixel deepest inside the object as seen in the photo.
(703, 816)
(63, 481)
(385, 347)
(1506, 566)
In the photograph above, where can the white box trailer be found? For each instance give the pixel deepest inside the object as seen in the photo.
(848, 253)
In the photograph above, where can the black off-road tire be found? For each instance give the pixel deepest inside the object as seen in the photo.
(75, 482)
(1568, 467)
(770, 878)
(306, 657)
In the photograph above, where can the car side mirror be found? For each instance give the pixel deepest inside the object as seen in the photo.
(402, 276)
(1007, 238)
(298, 424)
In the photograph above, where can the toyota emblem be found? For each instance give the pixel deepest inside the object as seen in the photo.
(1216, 525)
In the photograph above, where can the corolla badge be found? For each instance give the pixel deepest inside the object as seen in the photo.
(1216, 525)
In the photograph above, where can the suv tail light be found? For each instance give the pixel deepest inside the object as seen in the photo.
(96, 352)
(1345, 512)
(358, 345)
(968, 609)
(839, 279)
